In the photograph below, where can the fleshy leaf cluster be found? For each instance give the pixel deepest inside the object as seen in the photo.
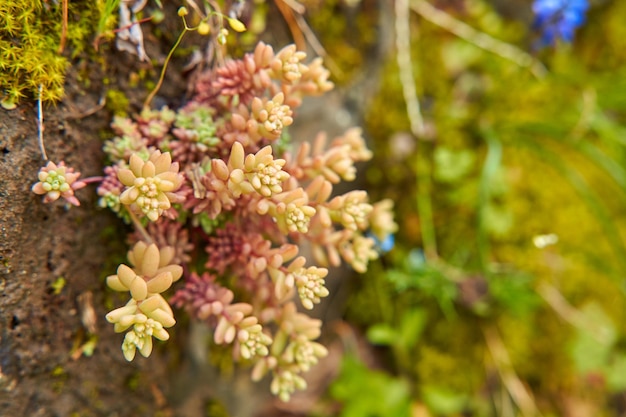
(147, 314)
(58, 181)
(222, 170)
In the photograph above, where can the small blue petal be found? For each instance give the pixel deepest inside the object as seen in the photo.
(558, 18)
(386, 244)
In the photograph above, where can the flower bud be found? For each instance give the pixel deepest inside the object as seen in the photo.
(236, 24)
(204, 28)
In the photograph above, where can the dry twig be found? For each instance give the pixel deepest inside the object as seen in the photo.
(480, 39)
(516, 388)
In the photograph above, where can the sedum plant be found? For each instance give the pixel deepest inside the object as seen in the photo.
(150, 184)
(147, 313)
(223, 201)
(56, 181)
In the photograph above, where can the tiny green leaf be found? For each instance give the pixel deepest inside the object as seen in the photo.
(8, 104)
(382, 334)
(58, 285)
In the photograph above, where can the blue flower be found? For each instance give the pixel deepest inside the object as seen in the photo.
(559, 19)
(385, 245)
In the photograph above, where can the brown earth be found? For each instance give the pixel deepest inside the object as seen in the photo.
(40, 329)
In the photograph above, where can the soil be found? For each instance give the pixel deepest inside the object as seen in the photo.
(43, 325)
(42, 328)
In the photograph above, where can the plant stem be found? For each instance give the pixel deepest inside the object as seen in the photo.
(480, 39)
(403, 57)
(422, 166)
(63, 26)
(490, 169)
(423, 169)
(91, 180)
(40, 126)
(165, 64)
(139, 226)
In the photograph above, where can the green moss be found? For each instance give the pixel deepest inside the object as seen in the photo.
(117, 102)
(60, 378)
(30, 43)
(133, 382)
(214, 408)
(348, 42)
(58, 285)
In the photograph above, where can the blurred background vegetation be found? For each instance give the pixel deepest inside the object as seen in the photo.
(504, 293)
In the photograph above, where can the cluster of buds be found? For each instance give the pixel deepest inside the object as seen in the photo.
(382, 225)
(259, 172)
(287, 65)
(155, 124)
(266, 119)
(206, 300)
(221, 170)
(292, 353)
(58, 181)
(309, 282)
(194, 134)
(261, 73)
(151, 184)
(147, 313)
(336, 162)
(168, 233)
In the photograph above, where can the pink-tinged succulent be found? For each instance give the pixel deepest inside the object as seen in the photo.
(110, 189)
(147, 313)
(237, 80)
(168, 233)
(288, 66)
(58, 181)
(208, 301)
(154, 125)
(151, 184)
(249, 204)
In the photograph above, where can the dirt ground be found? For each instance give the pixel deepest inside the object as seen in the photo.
(42, 328)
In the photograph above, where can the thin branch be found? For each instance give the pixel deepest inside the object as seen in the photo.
(423, 165)
(297, 7)
(146, 103)
(480, 39)
(92, 180)
(403, 57)
(194, 6)
(289, 16)
(130, 25)
(63, 26)
(317, 46)
(40, 126)
(89, 112)
(570, 314)
(516, 388)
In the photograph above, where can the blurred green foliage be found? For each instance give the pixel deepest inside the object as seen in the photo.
(370, 393)
(520, 308)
